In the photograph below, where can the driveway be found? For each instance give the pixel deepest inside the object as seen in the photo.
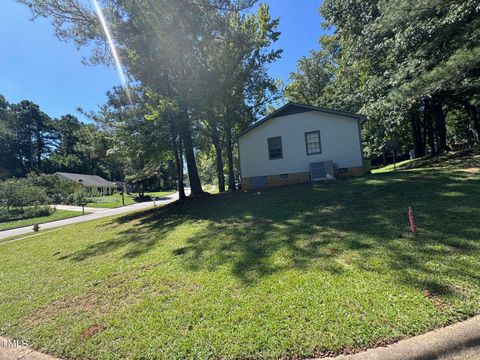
(89, 210)
(95, 213)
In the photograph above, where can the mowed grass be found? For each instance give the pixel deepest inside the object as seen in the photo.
(392, 167)
(294, 271)
(57, 215)
(114, 201)
(110, 201)
(159, 194)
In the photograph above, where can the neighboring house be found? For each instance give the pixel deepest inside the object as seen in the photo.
(94, 184)
(300, 143)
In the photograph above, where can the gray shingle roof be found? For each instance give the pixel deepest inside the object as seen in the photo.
(87, 180)
(295, 108)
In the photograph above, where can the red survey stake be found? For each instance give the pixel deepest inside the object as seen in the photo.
(411, 219)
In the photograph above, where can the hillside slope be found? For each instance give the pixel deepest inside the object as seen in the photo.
(297, 271)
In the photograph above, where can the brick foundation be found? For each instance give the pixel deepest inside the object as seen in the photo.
(353, 171)
(271, 181)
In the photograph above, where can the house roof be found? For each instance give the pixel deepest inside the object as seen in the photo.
(87, 180)
(295, 108)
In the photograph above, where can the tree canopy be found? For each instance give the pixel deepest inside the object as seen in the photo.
(412, 67)
(197, 75)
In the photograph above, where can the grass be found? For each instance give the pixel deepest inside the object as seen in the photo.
(114, 201)
(459, 159)
(57, 215)
(159, 194)
(294, 271)
(390, 167)
(110, 201)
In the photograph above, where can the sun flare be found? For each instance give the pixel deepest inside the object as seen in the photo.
(113, 48)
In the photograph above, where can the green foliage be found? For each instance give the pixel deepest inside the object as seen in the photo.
(57, 190)
(79, 198)
(411, 66)
(30, 141)
(26, 213)
(314, 76)
(19, 193)
(205, 63)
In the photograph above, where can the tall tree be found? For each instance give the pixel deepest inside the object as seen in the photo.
(170, 47)
(32, 131)
(404, 64)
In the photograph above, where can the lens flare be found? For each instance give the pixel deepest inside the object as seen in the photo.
(113, 49)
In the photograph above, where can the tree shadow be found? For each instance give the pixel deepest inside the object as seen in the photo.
(329, 226)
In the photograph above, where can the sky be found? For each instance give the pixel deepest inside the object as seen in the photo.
(36, 66)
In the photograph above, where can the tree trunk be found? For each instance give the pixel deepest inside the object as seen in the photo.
(440, 126)
(219, 162)
(177, 151)
(231, 174)
(195, 184)
(180, 178)
(418, 145)
(429, 124)
(474, 124)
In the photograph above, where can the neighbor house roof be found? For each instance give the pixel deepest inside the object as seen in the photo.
(295, 108)
(86, 180)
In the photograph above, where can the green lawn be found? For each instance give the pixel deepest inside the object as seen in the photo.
(390, 167)
(460, 159)
(159, 194)
(294, 271)
(57, 215)
(114, 201)
(111, 201)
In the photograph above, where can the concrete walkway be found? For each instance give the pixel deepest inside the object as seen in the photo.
(454, 342)
(15, 350)
(96, 214)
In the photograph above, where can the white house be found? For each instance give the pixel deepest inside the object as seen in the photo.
(300, 143)
(94, 184)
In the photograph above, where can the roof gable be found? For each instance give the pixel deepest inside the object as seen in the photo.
(295, 108)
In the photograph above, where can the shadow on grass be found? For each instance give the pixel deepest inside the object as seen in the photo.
(331, 226)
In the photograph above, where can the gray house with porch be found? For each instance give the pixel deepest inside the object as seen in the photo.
(94, 184)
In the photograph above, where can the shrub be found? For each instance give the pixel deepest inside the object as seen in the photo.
(19, 193)
(59, 191)
(26, 213)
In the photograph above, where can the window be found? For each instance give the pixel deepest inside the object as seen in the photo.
(312, 141)
(275, 148)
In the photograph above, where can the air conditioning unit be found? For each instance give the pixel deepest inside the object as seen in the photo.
(322, 171)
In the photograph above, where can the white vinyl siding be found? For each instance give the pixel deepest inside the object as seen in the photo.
(339, 142)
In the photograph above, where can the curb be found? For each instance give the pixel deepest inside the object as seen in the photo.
(430, 346)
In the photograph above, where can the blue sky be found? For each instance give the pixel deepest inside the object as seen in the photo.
(36, 66)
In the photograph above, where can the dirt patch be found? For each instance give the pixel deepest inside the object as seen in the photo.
(92, 330)
(436, 300)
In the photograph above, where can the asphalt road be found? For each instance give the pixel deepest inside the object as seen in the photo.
(95, 214)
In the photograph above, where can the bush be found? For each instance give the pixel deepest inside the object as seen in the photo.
(59, 191)
(79, 198)
(26, 213)
(19, 193)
